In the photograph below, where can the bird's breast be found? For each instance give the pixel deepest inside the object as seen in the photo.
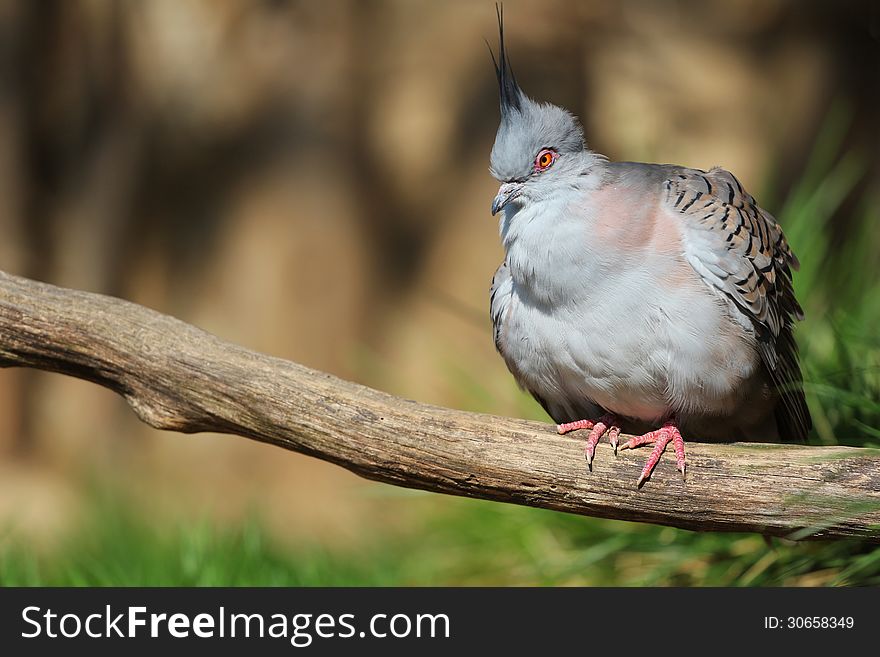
(642, 340)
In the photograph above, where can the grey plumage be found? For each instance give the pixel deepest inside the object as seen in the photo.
(526, 126)
(652, 292)
(753, 270)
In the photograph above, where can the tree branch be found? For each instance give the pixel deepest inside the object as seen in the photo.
(180, 378)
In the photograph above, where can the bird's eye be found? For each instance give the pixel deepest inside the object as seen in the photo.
(545, 159)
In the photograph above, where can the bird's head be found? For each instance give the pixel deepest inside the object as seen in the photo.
(536, 145)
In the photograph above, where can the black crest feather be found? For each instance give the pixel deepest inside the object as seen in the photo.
(509, 91)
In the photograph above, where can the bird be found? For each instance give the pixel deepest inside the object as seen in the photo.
(650, 299)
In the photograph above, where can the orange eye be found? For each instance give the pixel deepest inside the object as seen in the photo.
(545, 158)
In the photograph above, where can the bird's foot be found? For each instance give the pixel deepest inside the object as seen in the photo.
(660, 438)
(606, 424)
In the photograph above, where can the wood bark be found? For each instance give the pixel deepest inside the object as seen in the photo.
(180, 378)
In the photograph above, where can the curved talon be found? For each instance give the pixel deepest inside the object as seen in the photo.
(606, 425)
(597, 432)
(614, 438)
(666, 434)
(678, 446)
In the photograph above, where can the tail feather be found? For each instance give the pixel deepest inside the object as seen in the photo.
(792, 414)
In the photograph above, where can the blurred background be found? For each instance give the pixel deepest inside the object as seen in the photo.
(309, 179)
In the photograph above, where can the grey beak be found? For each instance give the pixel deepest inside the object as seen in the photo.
(506, 193)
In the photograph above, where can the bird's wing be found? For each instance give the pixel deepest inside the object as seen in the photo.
(499, 300)
(739, 249)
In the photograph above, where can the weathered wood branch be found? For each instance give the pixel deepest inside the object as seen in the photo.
(180, 378)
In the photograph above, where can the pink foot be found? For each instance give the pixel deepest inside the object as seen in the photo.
(607, 424)
(666, 434)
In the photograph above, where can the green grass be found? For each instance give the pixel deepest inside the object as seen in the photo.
(463, 542)
(839, 288)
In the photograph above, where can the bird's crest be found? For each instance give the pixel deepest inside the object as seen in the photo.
(509, 91)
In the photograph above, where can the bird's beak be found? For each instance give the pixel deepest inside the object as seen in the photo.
(506, 193)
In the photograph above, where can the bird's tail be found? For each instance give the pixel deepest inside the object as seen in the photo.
(792, 414)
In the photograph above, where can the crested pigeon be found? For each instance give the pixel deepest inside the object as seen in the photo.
(654, 299)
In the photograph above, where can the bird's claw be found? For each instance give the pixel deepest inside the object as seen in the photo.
(614, 438)
(564, 428)
(606, 425)
(660, 438)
